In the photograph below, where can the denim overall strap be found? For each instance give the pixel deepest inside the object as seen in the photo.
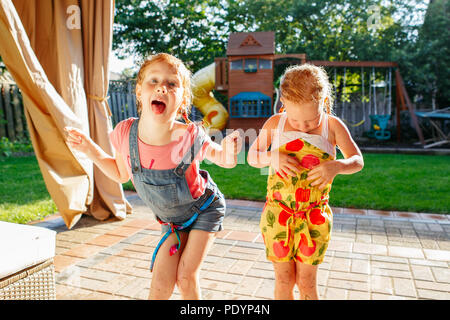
(190, 155)
(134, 150)
(174, 228)
(203, 202)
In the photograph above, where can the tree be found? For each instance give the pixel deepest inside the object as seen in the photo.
(325, 30)
(197, 31)
(187, 29)
(430, 57)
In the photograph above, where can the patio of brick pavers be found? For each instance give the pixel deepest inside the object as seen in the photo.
(372, 255)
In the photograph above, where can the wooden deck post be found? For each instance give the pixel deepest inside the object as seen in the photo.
(404, 95)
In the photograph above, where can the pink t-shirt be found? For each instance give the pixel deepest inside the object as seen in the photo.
(163, 157)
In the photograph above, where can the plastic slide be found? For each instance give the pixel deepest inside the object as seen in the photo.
(203, 82)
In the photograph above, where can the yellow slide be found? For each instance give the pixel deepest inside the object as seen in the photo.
(203, 82)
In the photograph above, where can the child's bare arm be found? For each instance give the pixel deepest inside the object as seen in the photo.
(113, 167)
(353, 162)
(258, 155)
(225, 154)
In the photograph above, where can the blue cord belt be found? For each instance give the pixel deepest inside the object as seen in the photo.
(174, 228)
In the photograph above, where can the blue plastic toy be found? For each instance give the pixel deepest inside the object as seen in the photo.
(378, 126)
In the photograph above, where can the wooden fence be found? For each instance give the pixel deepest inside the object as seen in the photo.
(122, 102)
(13, 124)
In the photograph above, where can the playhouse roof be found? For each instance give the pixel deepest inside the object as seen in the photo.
(251, 43)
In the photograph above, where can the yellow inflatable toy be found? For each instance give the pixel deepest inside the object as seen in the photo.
(203, 82)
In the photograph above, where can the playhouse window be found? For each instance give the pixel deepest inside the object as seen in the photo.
(236, 65)
(250, 105)
(250, 65)
(265, 64)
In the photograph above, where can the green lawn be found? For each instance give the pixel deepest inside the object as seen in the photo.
(418, 183)
(387, 182)
(24, 197)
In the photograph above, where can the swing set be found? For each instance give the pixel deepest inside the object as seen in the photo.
(363, 97)
(379, 112)
(363, 89)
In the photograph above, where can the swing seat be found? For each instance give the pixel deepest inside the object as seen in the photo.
(381, 121)
(382, 134)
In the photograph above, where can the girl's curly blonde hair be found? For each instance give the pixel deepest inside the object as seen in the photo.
(307, 83)
(182, 71)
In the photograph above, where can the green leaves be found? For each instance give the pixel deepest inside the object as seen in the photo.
(314, 233)
(280, 236)
(277, 186)
(321, 250)
(299, 228)
(191, 30)
(270, 217)
(197, 31)
(293, 205)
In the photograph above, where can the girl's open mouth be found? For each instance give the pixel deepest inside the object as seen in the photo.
(158, 107)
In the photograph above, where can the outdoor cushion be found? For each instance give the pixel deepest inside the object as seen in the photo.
(23, 246)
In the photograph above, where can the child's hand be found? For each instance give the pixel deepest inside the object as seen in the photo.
(284, 164)
(78, 140)
(231, 145)
(323, 174)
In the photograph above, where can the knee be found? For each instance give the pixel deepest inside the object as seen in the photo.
(306, 281)
(186, 280)
(285, 280)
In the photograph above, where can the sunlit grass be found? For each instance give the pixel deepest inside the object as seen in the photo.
(23, 194)
(418, 183)
(399, 182)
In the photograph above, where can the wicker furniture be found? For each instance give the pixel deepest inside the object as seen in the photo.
(26, 262)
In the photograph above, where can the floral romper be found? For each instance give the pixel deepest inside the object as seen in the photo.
(296, 221)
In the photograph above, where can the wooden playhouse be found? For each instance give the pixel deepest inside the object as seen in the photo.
(246, 77)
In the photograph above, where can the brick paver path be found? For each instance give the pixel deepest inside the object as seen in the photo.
(372, 255)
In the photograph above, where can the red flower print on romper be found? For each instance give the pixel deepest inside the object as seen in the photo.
(283, 217)
(295, 145)
(280, 250)
(302, 195)
(304, 249)
(309, 161)
(316, 217)
(277, 196)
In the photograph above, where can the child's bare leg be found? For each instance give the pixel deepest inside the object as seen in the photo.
(197, 246)
(307, 281)
(165, 268)
(284, 280)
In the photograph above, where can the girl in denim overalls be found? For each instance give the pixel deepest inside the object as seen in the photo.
(296, 221)
(161, 156)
